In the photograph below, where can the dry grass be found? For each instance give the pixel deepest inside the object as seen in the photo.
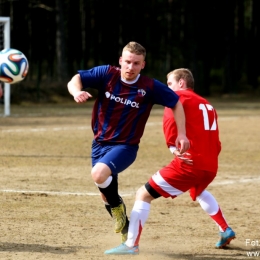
(48, 210)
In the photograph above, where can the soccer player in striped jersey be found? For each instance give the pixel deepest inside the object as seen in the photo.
(124, 102)
(191, 171)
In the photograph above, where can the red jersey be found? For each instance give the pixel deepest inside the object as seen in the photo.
(201, 130)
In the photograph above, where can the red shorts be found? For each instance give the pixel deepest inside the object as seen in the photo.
(173, 180)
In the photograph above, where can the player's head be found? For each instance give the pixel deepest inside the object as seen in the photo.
(180, 79)
(132, 60)
(136, 48)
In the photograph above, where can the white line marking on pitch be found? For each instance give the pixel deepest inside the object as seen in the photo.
(228, 182)
(64, 193)
(56, 192)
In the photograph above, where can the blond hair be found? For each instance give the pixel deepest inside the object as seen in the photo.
(135, 48)
(184, 74)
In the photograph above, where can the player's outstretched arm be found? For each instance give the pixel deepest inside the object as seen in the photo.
(182, 141)
(75, 89)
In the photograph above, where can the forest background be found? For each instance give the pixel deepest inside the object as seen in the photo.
(218, 40)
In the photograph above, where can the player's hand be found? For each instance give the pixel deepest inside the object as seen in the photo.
(82, 96)
(183, 143)
(185, 157)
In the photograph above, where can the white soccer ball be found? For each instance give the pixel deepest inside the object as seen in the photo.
(14, 66)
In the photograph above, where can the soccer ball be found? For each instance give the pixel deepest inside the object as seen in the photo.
(14, 66)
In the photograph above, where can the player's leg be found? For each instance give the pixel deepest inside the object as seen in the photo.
(157, 186)
(108, 161)
(168, 182)
(108, 186)
(138, 217)
(108, 208)
(209, 204)
(139, 214)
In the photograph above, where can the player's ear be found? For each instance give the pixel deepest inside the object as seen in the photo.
(181, 83)
(120, 60)
(143, 65)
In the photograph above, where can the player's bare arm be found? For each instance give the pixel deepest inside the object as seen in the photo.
(75, 89)
(182, 141)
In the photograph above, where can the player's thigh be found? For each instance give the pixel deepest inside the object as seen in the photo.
(204, 178)
(178, 177)
(119, 157)
(171, 181)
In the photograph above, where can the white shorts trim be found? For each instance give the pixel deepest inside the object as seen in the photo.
(158, 179)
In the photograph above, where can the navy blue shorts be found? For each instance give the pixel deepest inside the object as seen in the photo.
(117, 157)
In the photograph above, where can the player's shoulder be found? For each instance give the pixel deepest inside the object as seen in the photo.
(113, 69)
(106, 69)
(145, 81)
(190, 94)
(97, 70)
(190, 99)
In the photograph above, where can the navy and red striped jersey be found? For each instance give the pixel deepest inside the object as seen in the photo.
(121, 110)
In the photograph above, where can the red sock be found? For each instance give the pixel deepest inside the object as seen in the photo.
(220, 220)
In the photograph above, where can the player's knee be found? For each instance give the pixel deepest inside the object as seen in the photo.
(95, 174)
(138, 193)
(142, 194)
(202, 195)
(100, 173)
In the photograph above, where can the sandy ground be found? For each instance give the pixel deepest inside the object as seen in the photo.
(50, 208)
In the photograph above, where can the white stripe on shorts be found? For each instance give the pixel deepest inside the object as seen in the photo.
(158, 179)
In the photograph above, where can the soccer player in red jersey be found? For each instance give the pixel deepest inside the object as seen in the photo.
(124, 102)
(191, 171)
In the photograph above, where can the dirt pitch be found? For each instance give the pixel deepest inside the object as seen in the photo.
(50, 208)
